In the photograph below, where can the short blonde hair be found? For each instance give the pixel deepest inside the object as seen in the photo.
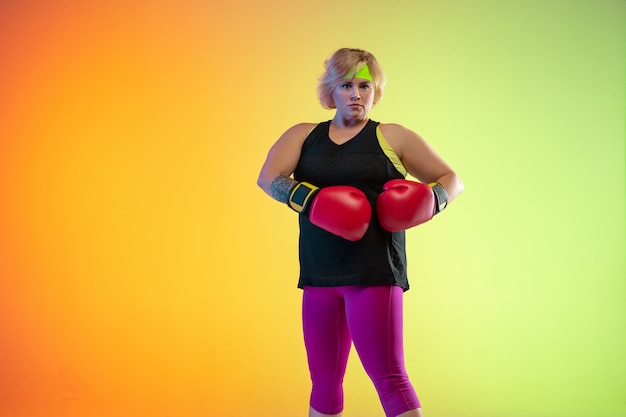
(347, 61)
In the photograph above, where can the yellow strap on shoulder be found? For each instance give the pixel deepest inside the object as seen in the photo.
(389, 152)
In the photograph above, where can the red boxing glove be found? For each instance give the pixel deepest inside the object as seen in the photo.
(341, 210)
(404, 204)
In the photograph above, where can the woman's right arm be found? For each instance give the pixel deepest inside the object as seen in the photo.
(275, 176)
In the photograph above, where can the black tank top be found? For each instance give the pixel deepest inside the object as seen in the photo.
(327, 260)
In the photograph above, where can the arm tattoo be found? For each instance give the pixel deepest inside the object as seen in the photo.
(281, 186)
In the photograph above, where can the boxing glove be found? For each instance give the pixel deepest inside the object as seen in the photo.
(341, 210)
(404, 204)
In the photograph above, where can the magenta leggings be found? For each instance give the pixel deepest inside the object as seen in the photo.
(369, 316)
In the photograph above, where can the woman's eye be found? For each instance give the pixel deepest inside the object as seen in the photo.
(366, 86)
(346, 86)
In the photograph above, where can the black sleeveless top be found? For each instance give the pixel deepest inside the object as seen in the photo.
(327, 260)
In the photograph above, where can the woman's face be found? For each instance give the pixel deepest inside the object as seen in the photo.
(354, 98)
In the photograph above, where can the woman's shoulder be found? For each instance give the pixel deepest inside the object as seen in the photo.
(397, 131)
(398, 136)
(299, 131)
(303, 128)
(394, 128)
(307, 124)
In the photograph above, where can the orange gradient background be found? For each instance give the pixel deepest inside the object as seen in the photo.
(143, 273)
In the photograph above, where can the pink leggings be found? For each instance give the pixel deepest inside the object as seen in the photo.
(369, 316)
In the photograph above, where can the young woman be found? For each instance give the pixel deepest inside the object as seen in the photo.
(346, 179)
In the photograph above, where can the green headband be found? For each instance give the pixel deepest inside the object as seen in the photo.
(364, 73)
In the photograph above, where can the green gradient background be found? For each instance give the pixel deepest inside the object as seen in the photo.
(143, 273)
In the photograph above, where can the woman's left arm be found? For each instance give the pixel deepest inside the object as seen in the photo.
(421, 160)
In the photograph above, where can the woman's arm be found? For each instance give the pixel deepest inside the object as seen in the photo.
(420, 159)
(282, 159)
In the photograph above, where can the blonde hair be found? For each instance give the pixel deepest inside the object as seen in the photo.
(347, 61)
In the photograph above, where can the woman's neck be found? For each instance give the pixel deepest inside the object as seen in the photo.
(348, 123)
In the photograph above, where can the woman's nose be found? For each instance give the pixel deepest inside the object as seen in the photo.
(355, 94)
